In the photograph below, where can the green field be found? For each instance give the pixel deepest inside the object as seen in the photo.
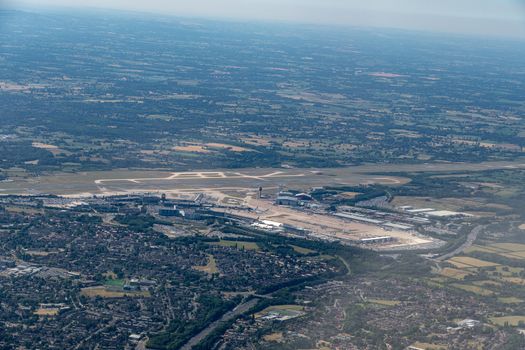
(238, 244)
(484, 249)
(510, 320)
(454, 273)
(473, 289)
(102, 292)
(209, 268)
(510, 300)
(115, 282)
(302, 250)
(384, 302)
(509, 247)
(507, 250)
(465, 261)
(499, 276)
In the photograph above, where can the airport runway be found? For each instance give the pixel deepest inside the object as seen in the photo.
(129, 181)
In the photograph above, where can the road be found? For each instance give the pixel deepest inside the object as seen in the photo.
(100, 330)
(347, 265)
(471, 238)
(241, 308)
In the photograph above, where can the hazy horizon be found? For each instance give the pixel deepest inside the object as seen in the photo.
(483, 17)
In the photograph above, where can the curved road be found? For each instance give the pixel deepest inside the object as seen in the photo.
(471, 238)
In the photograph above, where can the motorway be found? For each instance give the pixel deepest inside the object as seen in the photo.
(471, 238)
(241, 308)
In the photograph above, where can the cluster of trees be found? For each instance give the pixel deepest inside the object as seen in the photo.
(137, 222)
(13, 154)
(211, 308)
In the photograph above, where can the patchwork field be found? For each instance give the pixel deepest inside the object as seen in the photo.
(508, 271)
(514, 280)
(473, 289)
(509, 247)
(192, 149)
(507, 250)
(514, 255)
(465, 262)
(485, 277)
(454, 273)
(483, 249)
(487, 283)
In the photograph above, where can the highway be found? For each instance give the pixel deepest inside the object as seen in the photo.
(241, 308)
(471, 238)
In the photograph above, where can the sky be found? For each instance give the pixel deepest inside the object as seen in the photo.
(479, 17)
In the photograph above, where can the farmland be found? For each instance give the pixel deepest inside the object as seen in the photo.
(176, 183)
(465, 261)
(487, 278)
(454, 273)
(507, 250)
(195, 111)
(473, 289)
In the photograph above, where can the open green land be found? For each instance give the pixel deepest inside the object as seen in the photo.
(210, 267)
(508, 320)
(238, 244)
(302, 250)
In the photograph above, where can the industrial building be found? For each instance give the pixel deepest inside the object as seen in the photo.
(169, 212)
(358, 218)
(404, 227)
(304, 197)
(268, 225)
(377, 240)
(287, 200)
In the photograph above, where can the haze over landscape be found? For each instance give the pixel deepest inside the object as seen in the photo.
(268, 175)
(480, 17)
